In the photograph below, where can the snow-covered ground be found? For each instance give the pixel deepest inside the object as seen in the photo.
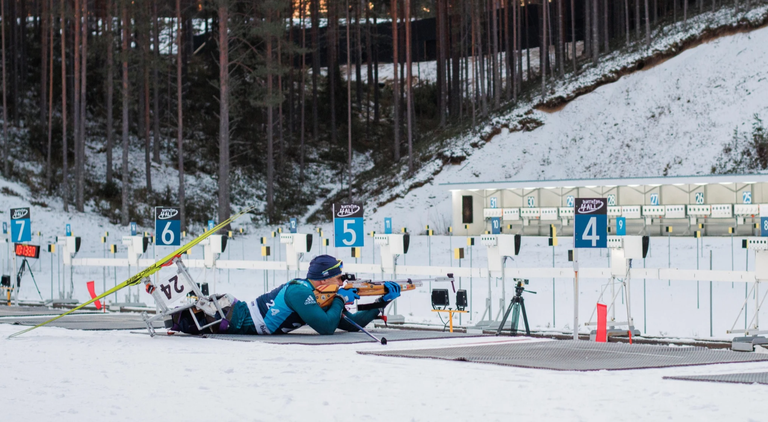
(118, 376)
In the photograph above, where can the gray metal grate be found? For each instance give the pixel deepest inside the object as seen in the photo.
(572, 355)
(745, 378)
(309, 337)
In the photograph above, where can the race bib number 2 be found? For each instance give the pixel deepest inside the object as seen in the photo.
(172, 290)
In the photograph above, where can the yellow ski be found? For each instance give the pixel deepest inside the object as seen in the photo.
(136, 279)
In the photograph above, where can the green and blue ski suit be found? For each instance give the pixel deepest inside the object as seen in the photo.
(290, 306)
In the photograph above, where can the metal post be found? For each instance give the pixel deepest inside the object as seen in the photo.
(553, 288)
(732, 262)
(51, 277)
(669, 255)
(575, 294)
(645, 319)
(697, 267)
(746, 290)
(710, 292)
(429, 246)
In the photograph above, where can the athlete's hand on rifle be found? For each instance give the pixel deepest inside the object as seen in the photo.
(349, 295)
(393, 291)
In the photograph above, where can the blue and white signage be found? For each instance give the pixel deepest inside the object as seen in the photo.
(591, 223)
(387, 225)
(5, 227)
(21, 230)
(348, 225)
(494, 202)
(167, 226)
(294, 225)
(211, 224)
(699, 198)
(569, 201)
(531, 202)
(611, 200)
(654, 199)
(746, 197)
(764, 226)
(133, 229)
(621, 226)
(68, 230)
(495, 225)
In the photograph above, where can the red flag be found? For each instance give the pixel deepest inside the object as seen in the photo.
(92, 291)
(602, 316)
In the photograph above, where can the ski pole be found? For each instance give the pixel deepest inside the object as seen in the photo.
(382, 341)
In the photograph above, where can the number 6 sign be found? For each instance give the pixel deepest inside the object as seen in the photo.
(591, 223)
(348, 225)
(167, 226)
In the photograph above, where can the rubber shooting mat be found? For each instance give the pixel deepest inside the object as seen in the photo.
(93, 321)
(573, 355)
(746, 378)
(13, 311)
(309, 337)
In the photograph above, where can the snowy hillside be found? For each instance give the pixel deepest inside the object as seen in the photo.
(670, 119)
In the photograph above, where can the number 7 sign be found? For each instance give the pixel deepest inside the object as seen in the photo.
(591, 223)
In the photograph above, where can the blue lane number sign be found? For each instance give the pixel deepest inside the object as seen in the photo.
(21, 230)
(621, 226)
(611, 200)
(5, 227)
(746, 197)
(764, 226)
(531, 202)
(167, 226)
(591, 223)
(348, 225)
(654, 199)
(494, 202)
(569, 201)
(294, 225)
(68, 230)
(699, 198)
(495, 225)
(211, 224)
(133, 229)
(387, 225)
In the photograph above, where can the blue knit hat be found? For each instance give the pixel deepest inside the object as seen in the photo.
(323, 267)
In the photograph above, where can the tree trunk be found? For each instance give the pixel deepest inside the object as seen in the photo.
(509, 53)
(124, 218)
(303, 88)
(6, 142)
(314, 10)
(648, 27)
(368, 62)
(606, 40)
(156, 135)
(110, 90)
(223, 111)
(573, 35)
(349, 107)
(595, 31)
(544, 48)
(144, 45)
(376, 88)
(395, 86)
(270, 136)
(65, 169)
(409, 84)
(495, 60)
(76, 111)
(83, 117)
(180, 117)
(44, 62)
(49, 167)
(359, 54)
(333, 44)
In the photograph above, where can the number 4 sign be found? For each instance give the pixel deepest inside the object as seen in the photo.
(591, 223)
(348, 225)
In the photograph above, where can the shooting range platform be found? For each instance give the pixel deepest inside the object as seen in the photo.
(743, 378)
(572, 355)
(82, 321)
(307, 336)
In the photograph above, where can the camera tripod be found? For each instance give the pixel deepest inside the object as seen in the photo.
(516, 304)
(20, 274)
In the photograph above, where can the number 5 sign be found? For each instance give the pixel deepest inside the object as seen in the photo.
(167, 226)
(591, 223)
(348, 225)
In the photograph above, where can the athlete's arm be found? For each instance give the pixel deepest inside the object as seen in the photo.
(302, 300)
